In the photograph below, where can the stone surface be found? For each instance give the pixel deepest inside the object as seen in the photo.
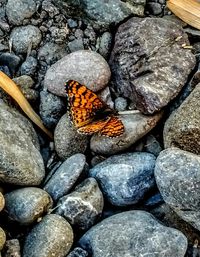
(177, 176)
(67, 140)
(83, 206)
(133, 233)
(25, 37)
(152, 145)
(78, 252)
(125, 178)
(136, 126)
(148, 63)
(182, 129)
(20, 159)
(53, 236)
(18, 10)
(120, 104)
(105, 44)
(10, 60)
(87, 67)
(12, 248)
(27, 204)
(2, 201)
(2, 238)
(29, 66)
(65, 176)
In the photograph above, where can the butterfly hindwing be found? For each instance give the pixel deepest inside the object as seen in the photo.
(113, 128)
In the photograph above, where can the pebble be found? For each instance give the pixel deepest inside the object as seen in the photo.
(2, 238)
(76, 44)
(182, 129)
(72, 23)
(83, 207)
(12, 248)
(24, 37)
(154, 8)
(18, 10)
(51, 108)
(177, 176)
(125, 178)
(136, 126)
(120, 104)
(29, 67)
(26, 205)
(152, 145)
(2, 201)
(53, 236)
(85, 66)
(67, 140)
(105, 44)
(10, 60)
(105, 95)
(78, 252)
(63, 179)
(21, 161)
(133, 233)
(152, 87)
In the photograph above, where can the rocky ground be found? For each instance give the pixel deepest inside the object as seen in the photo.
(80, 196)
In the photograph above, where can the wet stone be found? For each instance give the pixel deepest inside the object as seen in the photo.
(125, 178)
(83, 206)
(53, 236)
(133, 233)
(65, 176)
(26, 205)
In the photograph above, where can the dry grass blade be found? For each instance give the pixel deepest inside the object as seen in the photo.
(186, 10)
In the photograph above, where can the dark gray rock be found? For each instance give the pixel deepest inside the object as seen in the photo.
(25, 37)
(152, 145)
(20, 160)
(67, 140)
(83, 206)
(51, 108)
(10, 60)
(136, 126)
(2, 238)
(133, 233)
(18, 10)
(53, 236)
(87, 67)
(177, 176)
(27, 204)
(29, 66)
(78, 252)
(151, 74)
(65, 176)
(12, 248)
(182, 129)
(76, 44)
(105, 44)
(125, 178)
(154, 8)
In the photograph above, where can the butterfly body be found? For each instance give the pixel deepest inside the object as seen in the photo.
(89, 113)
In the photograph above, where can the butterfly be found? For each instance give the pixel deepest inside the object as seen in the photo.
(89, 113)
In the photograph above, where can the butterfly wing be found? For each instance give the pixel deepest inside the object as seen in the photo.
(83, 103)
(113, 128)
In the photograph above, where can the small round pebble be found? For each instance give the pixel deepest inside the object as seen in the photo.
(83, 206)
(29, 66)
(24, 37)
(2, 201)
(67, 140)
(53, 236)
(105, 44)
(120, 104)
(2, 238)
(78, 252)
(154, 8)
(26, 205)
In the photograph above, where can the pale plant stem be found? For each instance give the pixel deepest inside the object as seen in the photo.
(129, 112)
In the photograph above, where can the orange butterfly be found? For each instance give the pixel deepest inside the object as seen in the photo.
(89, 113)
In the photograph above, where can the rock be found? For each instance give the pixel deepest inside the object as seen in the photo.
(2, 201)
(76, 44)
(25, 37)
(29, 66)
(21, 162)
(18, 10)
(154, 200)
(51, 52)
(137, 68)
(12, 248)
(120, 104)
(53, 236)
(182, 129)
(87, 67)
(26, 83)
(2, 238)
(133, 233)
(51, 108)
(27, 204)
(178, 179)
(65, 176)
(67, 140)
(152, 145)
(72, 23)
(136, 126)
(106, 97)
(101, 13)
(105, 44)
(78, 252)
(83, 206)
(10, 60)
(125, 178)
(154, 8)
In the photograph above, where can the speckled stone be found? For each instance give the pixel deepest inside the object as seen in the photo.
(2, 238)
(65, 176)
(182, 129)
(53, 236)
(2, 201)
(87, 67)
(26, 205)
(78, 252)
(178, 179)
(133, 233)
(83, 206)
(29, 66)
(12, 248)
(67, 140)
